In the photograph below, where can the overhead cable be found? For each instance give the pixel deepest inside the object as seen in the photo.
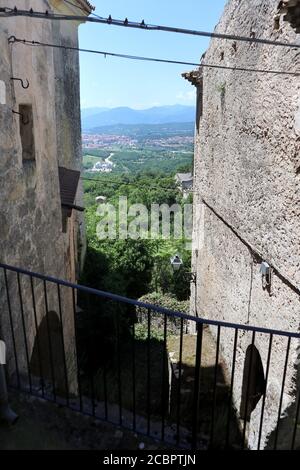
(28, 42)
(127, 183)
(252, 39)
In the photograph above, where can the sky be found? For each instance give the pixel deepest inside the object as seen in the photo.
(112, 82)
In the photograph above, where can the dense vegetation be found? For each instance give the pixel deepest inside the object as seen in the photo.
(133, 267)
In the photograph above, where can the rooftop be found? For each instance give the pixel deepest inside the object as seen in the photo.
(183, 177)
(86, 5)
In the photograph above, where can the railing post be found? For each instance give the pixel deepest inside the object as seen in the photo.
(63, 344)
(37, 337)
(6, 413)
(282, 391)
(164, 368)
(179, 382)
(49, 341)
(24, 332)
(215, 387)
(12, 328)
(148, 371)
(248, 391)
(265, 393)
(197, 386)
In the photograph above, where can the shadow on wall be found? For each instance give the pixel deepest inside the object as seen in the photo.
(217, 424)
(254, 383)
(48, 358)
(288, 437)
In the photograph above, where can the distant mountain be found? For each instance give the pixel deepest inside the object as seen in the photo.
(93, 117)
(87, 112)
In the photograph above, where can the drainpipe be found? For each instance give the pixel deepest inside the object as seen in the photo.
(6, 413)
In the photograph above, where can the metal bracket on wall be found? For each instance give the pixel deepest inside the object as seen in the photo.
(25, 121)
(22, 82)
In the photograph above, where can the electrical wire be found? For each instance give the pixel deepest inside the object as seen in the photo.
(27, 42)
(258, 256)
(127, 183)
(11, 12)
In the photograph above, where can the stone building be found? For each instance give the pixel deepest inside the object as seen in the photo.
(246, 249)
(40, 162)
(185, 182)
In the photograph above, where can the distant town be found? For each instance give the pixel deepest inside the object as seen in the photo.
(96, 141)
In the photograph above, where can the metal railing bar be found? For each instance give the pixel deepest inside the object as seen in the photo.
(265, 393)
(119, 369)
(281, 394)
(133, 380)
(91, 351)
(215, 387)
(197, 386)
(296, 423)
(12, 327)
(231, 389)
(76, 351)
(179, 382)
(24, 331)
(37, 335)
(164, 365)
(249, 380)
(148, 371)
(155, 308)
(63, 342)
(49, 340)
(105, 392)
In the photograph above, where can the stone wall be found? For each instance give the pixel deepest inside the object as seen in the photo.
(31, 234)
(247, 160)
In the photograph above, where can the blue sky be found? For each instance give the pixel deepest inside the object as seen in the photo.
(113, 82)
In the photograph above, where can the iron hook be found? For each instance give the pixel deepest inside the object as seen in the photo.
(12, 39)
(22, 82)
(24, 121)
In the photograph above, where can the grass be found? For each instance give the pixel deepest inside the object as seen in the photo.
(90, 160)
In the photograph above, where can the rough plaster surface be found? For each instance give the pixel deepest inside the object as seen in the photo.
(31, 233)
(247, 155)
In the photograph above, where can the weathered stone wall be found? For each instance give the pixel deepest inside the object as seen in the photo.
(247, 170)
(31, 234)
(68, 130)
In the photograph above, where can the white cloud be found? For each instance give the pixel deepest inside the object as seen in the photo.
(187, 96)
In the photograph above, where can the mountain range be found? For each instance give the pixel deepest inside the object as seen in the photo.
(97, 117)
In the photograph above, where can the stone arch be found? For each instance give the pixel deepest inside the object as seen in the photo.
(254, 382)
(45, 364)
